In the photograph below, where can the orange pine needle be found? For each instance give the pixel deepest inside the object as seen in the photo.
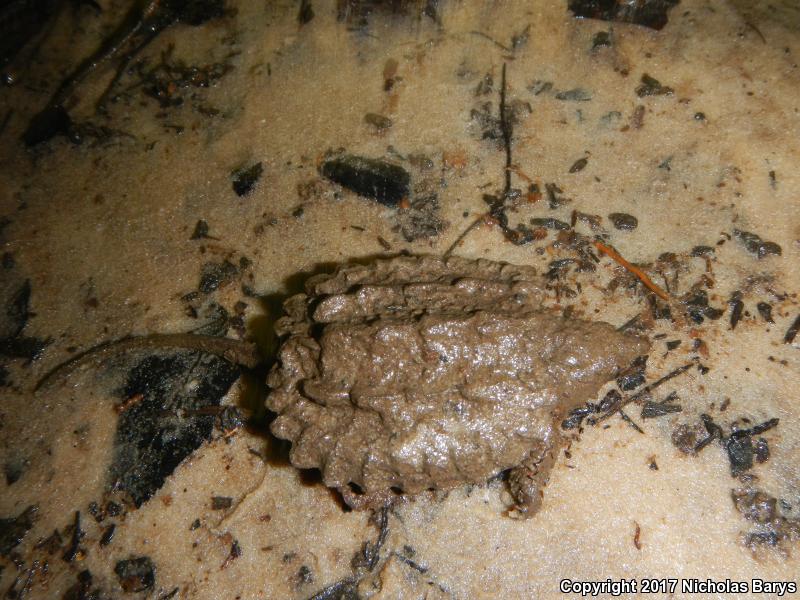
(610, 252)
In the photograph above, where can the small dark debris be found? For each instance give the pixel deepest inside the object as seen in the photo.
(108, 535)
(558, 268)
(611, 400)
(379, 122)
(13, 468)
(51, 544)
(765, 426)
(47, 124)
(754, 505)
(200, 230)
(630, 421)
(697, 307)
(113, 509)
(652, 87)
(554, 197)
(382, 181)
(574, 95)
(234, 553)
(773, 182)
(576, 417)
(221, 502)
(304, 576)
(136, 574)
(652, 464)
(633, 376)
(699, 116)
(761, 450)
(73, 549)
(579, 165)
(623, 221)
(518, 40)
(17, 311)
(688, 438)
(739, 446)
(550, 223)
(651, 409)
(306, 12)
(601, 39)
(755, 245)
(195, 525)
(214, 275)
(648, 13)
(14, 529)
(593, 221)
(637, 117)
(485, 85)
(791, 333)
(345, 589)
(244, 179)
(700, 251)
(737, 308)
(82, 589)
(411, 563)
(420, 220)
(765, 310)
(672, 344)
(8, 261)
(540, 87)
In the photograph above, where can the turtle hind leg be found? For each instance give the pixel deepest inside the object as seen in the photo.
(527, 480)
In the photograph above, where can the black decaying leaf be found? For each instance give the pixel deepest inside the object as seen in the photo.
(648, 13)
(377, 179)
(165, 426)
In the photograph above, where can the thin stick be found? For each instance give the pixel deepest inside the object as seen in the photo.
(234, 351)
(464, 234)
(648, 388)
(642, 276)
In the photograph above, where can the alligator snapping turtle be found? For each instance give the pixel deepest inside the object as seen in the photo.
(418, 373)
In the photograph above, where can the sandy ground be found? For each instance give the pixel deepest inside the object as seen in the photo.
(102, 232)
